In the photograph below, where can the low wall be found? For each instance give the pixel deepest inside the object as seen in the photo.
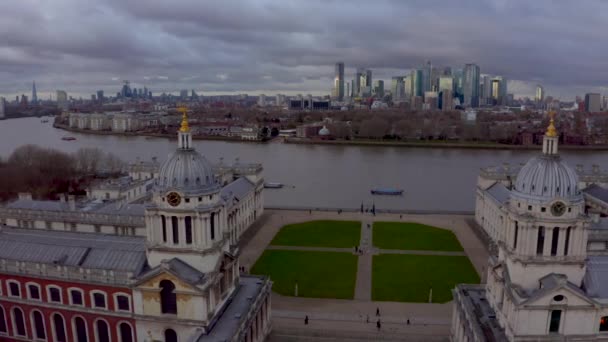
(378, 211)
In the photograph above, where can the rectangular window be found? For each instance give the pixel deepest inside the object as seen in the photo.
(76, 297)
(14, 289)
(188, 222)
(99, 300)
(163, 221)
(540, 241)
(554, 241)
(567, 240)
(175, 228)
(556, 316)
(212, 225)
(515, 235)
(34, 291)
(122, 303)
(54, 295)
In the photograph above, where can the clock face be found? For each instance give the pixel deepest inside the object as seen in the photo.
(174, 199)
(558, 209)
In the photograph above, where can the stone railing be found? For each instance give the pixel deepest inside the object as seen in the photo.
(23, 268)
(73, 216)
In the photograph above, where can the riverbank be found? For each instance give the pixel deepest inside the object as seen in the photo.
(440, 144)
(171, 136)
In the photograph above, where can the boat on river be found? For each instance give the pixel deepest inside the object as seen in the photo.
(271, 185)
(387, 191)
(68, 138)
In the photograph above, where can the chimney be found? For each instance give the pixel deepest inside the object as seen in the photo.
(72, 202)
(25, 195)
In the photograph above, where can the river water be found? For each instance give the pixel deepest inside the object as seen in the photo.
(318, 176)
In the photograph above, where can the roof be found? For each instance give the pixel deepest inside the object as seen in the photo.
(597, 192)
(178, 268)
(240, 304)
(239, 189)
(97, 251)
(596, 276)
(545, 178)
(38, 205)
(118, 208)
(499, 192)
(552, 282)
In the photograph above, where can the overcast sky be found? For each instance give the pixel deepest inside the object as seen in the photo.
(290, 46)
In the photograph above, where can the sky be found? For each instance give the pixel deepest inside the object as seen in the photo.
(291, 46)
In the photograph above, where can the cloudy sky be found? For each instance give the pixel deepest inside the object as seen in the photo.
(290, 46)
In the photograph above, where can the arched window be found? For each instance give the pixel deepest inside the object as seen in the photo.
(554, 241)
(18, 322)
(59, 328)
(80, 330)
(168, 300)
(170, 335)
(3, 328)
(566, 245)
(554, 322)
(163, 219)
(175, 228)
(102, 331)
(38, 325)
(188, 224)
(604, 323)
(212, 225)
(125, 332)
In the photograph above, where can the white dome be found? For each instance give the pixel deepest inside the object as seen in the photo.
(546, 178)
(187, 171)
(324, 131)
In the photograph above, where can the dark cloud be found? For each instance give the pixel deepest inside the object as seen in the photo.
(290, 46)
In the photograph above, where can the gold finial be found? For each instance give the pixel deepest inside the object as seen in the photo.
(551, 131)
(184, 127)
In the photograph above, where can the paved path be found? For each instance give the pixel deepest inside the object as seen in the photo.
(363, 285)
(365, 250)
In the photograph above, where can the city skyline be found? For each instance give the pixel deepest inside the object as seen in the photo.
(274, 48)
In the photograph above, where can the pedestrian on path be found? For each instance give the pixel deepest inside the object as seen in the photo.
(306, 320)
(378, 325)
(367, 319)
(408, 321)
(377, 311)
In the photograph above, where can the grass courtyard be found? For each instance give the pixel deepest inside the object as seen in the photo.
(408, 278)
(413, 236)
(341, 234)
(319, 274)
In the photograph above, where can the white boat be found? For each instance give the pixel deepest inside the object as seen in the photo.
(271, 185)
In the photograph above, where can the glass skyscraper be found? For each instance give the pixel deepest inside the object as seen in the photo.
(471, 85)
(339, 81)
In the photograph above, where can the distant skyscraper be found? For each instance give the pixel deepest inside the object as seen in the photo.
(417, 79)
(126, 90)
(353, 86)
(365, 82)
(446, 83)
(183, 94)
(427, 77)
(34, 95)
(447, 71)
(486, 90)
(2, 107)
(339, 81)
(398, 88)
(379, 88)
(62, 100)
(540, 94)
(447, 100)
(262, 100)
(495, 94)
(358, 85)
(593, 102)
(347, 90)
(100, 95)
(471, 85)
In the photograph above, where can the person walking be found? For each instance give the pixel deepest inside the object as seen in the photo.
(377, 311)
(306, 320)
(367, 319)
(378, 325)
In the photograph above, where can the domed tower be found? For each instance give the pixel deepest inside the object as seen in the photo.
(185, 219)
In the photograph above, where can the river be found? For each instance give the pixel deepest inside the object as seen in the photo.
(322, 176)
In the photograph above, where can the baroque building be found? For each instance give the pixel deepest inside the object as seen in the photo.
(154, 259)
(547, 277)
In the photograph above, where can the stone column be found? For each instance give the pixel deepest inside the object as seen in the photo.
(561, 241)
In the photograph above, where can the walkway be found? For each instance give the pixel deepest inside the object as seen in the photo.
(371, 251)
(363, 285)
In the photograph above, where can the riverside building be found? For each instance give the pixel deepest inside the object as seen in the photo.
(548, 271)
(162, 266)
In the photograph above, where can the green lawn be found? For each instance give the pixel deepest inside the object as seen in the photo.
(408, 278)
(344, 234)
(413, 236)
(319, 274)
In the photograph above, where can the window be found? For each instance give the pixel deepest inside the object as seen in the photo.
(99, 300)
(59, 328)
(14, 289)
(543, 209)
(122, 303)
(3, 328)
(188, 223)
(567, 240)
(18, 322)
(163, 220)
(554, 323)
(212, 225)
(33, 291)
(515, 235)
(76, 297)
(125, 332)
(80, 330)
(604, 323)
(54, 294)
(168, 299)
(102, 332)
(187, 200)
(554, 241)
(170, 335)
(38, 329)
(175, 228)
(529, 208)
(540, 241)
